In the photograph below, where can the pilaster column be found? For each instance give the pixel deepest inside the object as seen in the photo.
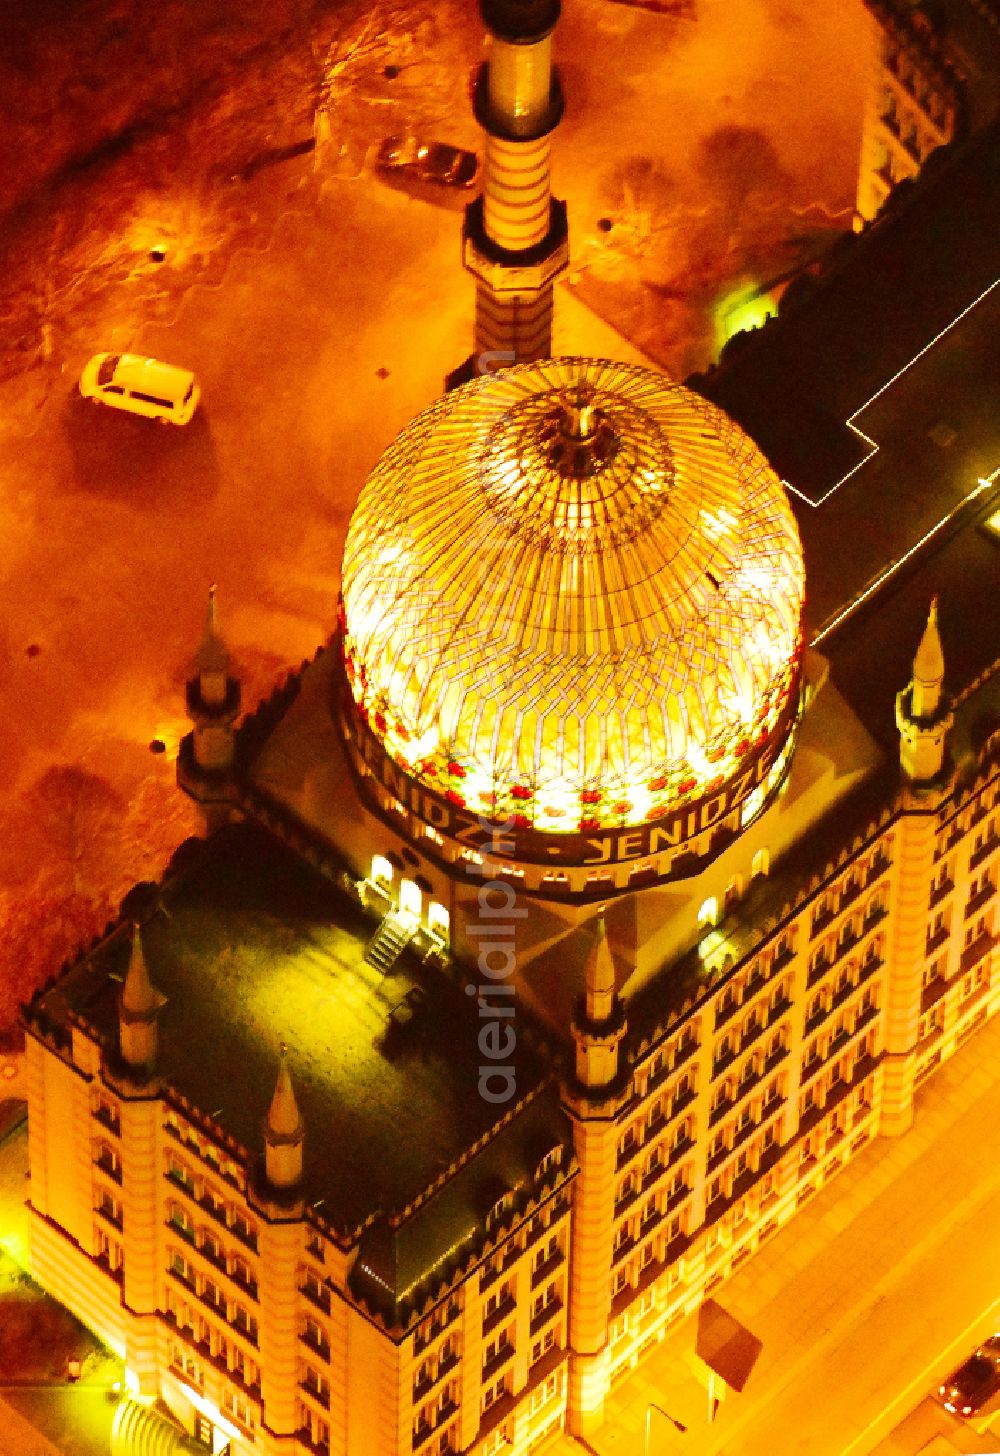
(141, 1212)
(280, 1243)
(906, 953)
(595, 1137)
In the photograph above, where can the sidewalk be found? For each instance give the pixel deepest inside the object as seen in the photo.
(857, 1300)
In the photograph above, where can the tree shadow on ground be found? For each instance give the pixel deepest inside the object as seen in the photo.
(38, 1336)
(119, 456)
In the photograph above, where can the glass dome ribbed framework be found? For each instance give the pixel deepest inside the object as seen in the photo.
(572, 594)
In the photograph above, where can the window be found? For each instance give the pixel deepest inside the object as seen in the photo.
(551, 1160)
(547, 1251)
(623, 1235)
(210, 1246)
(106, 369)
(181, 1267)
(315, 1383)
(628, 1142)
(107, 1113)
(109, 1251)
(544, 1393)
(244, 1229)
(727, 999)
(109, 1207)
(708, 915)
(315, 1336)
(235, 1403)
(494, 1393)
(108, 1159)
(500, 1209)
(543, 1346)
(627, 1188)
(499, 1347)
(497, 1298)
(151, 399)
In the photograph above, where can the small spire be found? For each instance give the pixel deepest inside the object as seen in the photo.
(600, 968)
(138, 1011)
(578, 412)
(213, 655)
(283, 1119)
(140, 998)
(928, 665)
(284, 1131)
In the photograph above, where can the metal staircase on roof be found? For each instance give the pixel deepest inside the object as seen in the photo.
(389, 941)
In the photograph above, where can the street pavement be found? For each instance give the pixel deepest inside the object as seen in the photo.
(879, 1287)
(56, 1420)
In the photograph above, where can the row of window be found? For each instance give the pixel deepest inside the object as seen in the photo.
(204, 1149)
(202, 1191)
(209, 1292)
(215, 1343)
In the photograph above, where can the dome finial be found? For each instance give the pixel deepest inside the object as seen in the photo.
(579, 421)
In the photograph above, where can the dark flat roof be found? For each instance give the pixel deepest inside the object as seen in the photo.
(252, 948)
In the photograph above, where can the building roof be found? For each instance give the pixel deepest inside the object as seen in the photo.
(571, 593)
(254, 948)
(884, 295)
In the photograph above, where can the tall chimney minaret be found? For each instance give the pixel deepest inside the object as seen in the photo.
(515, 231)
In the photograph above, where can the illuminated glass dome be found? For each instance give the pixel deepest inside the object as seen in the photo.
(572, 595)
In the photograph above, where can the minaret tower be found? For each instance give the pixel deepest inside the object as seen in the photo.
(280, 1199)
(923, 712)
(593, 1102)
(923, 717)
(135, 1082)
(138, 1011)
(515, 231)
(213, 704)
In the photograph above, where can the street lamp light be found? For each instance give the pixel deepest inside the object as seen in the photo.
(677, 1425)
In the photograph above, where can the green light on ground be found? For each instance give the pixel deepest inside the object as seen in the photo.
(17, 1248)
(743, 307)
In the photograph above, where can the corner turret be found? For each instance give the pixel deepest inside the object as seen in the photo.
(284, 1132)
(138, 1012)
(213, 703)
(923, 709)
(599, 1023)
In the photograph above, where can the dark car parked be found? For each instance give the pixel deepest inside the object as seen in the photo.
(972, 1384)
(429, 161)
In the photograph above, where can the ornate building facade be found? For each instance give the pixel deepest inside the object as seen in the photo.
(933, 80)
(560, 932)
